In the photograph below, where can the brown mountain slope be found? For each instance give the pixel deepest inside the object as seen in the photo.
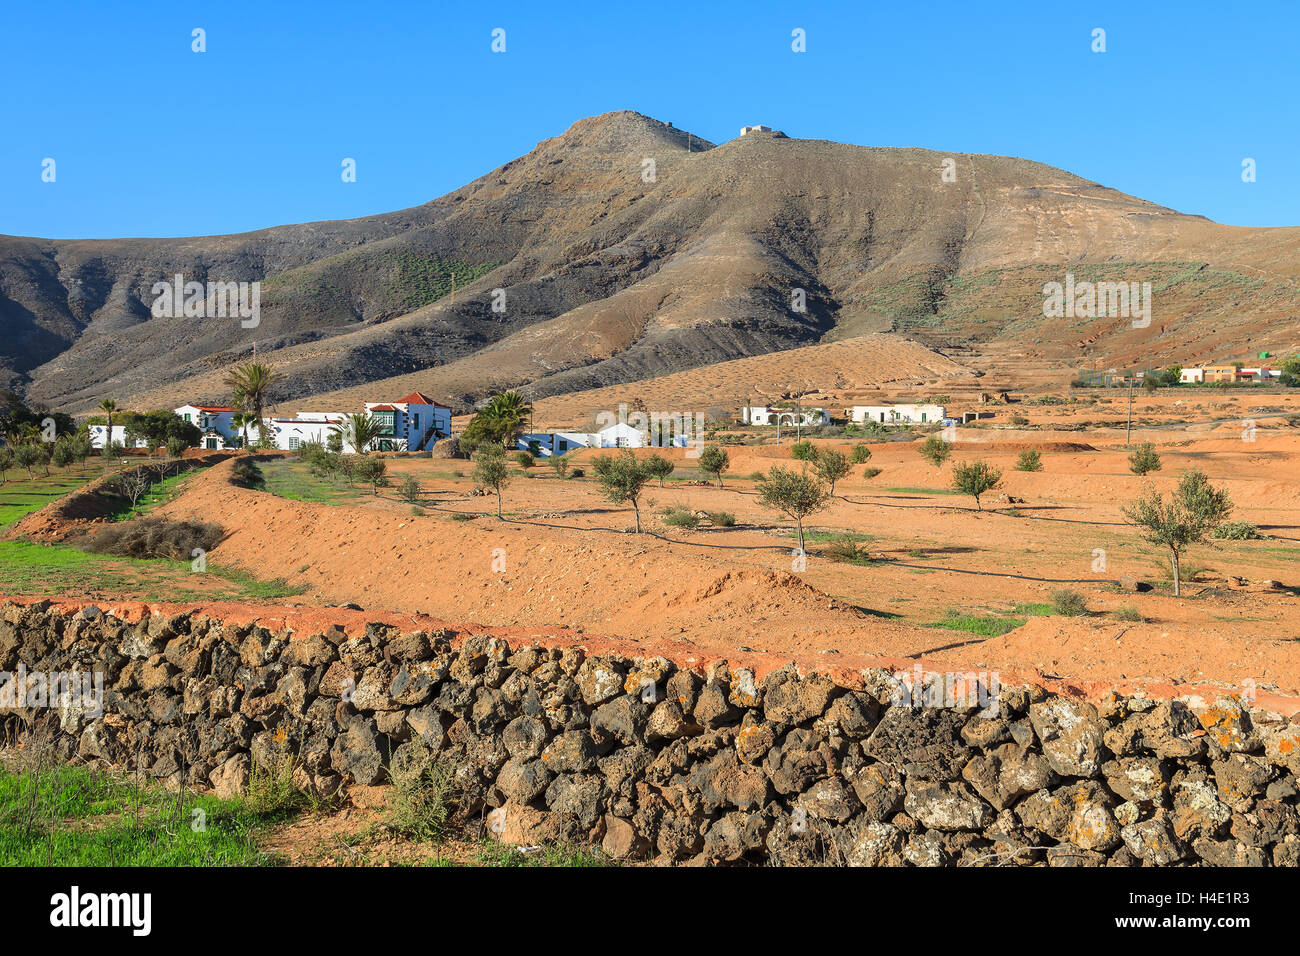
(612, 276)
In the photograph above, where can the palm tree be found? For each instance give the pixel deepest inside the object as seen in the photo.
(360, 430)
(109, 407)
(250, 385)
(241, 421)
(507, 414)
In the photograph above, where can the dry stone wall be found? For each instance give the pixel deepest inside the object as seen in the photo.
(652, 760)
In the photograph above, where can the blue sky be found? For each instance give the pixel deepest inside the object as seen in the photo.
(152, 139)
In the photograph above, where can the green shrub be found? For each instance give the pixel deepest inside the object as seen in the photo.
(723, 519)
(680, 518)
(245, 474)
(1127, 612)
(861, 453)
(271, 790)
(559, 464)
(935, 450)
(1238, 531)
(1069, 603)
(870, 472)
(803, 450)
(525, 460)
(577, 473)
(409, 489)
(1144, 459)
(422, 798)
(1029, 460)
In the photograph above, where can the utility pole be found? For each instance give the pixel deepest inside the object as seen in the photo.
(1128, 429)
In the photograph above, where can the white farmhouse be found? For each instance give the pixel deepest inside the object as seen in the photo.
(786, 417)
(215, 422)
(897, 414)
(1191, 376)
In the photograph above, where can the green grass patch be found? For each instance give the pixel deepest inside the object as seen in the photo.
(20, 497)
(72, 816)
(294, 480)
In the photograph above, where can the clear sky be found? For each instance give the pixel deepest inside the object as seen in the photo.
(152, 139)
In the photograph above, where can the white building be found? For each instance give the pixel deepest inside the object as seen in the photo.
(786, 417)
(619, 435)
(290, 434)
(897, 414)
(1192, 376)
(97, 433)
(755, 129)
(412, 423)
(214, 421)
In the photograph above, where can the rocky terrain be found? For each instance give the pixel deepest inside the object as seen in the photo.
(611, 275)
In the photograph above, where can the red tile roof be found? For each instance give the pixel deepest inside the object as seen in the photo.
(214, 408)
(418, 398)
(382, 408)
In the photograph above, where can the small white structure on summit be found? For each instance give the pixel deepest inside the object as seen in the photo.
(755, 129)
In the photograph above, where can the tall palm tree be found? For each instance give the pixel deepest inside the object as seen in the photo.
(250, 385)
(360, 430)
(109, 407)
(507, 414)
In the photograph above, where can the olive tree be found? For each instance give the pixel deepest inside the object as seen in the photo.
(794, 493)
(832, 465)
(975, 478)
(491, 471)
(622, 478)
(1184, 518)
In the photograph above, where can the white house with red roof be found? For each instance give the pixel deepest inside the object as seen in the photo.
(215, 422)
(412, 423)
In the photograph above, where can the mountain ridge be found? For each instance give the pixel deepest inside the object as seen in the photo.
(613, 272)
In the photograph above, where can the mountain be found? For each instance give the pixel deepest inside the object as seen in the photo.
(613, 272)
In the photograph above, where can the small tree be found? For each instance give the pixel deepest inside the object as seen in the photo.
(134, 485)
(29, 456)
(660, 467)
(714, 460)
(525, 460)
(622, 478)
(409, 488)
(491, 471)
(560, 465)
(6, 462)
(1187, 517)
(62, 456)
(832, 465)
(82, 448)
(1144, 459)
(861, 454)
(935, 450)
(1029, 460)
(797, 494)
(975, 479)
(371, 471)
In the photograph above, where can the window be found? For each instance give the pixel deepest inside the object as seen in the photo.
(294, 443)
